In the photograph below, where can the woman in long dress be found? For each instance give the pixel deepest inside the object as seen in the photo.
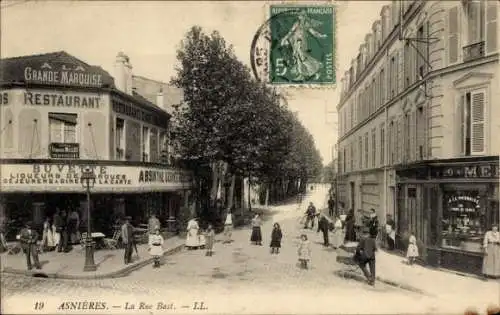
(47, 236)
(491, 260)
(256, 237)
(192, 239)
(338, 233)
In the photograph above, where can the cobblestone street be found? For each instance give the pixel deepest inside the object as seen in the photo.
(240, 277)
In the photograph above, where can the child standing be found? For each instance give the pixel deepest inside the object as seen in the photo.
(276, 236)
(209, 240)
(304, 251)
(155, 247)
(412, 252)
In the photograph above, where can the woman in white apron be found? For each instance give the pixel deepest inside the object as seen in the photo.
(48, 243)
(338, 233)
(192, 239)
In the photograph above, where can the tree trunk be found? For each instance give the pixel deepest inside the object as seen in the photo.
(267, 194)
(230, 197)
(215, 182)
(249, 193)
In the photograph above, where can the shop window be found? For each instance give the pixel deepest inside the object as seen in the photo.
(62, 127)
(120, 139)
(464, 219)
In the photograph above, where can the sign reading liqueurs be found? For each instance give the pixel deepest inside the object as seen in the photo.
(66, 177)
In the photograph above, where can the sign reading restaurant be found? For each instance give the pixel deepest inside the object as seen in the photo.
(66, 177)
(66, 75)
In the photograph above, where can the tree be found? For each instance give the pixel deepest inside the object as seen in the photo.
(232, 126)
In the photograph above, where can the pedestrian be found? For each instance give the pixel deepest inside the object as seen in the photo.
(73, 227)
(127, 240)
(491, 260)
(155, 247)
(228, 227)
(192, 238)
(256, 237)
(276, 236)
(63, 226)
(331, 206)
(28, 238)
(310, 215)
(304, 252)
(47, 236)
(390, 230)
(365, 255)
(373, 223)
(209, 240)
(323, 226)
(358, 224)
(338, 233)
(57, 229)
(153, 224)
(350, 232)
(412, 251)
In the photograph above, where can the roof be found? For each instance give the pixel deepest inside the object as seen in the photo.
(12, 69)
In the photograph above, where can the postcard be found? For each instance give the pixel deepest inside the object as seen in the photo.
(249, 157)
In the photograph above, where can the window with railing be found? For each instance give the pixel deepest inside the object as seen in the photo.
(63, 141)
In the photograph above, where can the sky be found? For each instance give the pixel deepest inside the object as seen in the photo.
(149, 32)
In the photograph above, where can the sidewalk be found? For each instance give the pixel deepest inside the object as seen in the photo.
(70, 265)
(392, 269)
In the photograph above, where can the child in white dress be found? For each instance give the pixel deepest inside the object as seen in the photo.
(155, 247)
(412, 252)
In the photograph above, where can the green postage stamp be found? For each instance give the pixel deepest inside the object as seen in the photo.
(302, 44)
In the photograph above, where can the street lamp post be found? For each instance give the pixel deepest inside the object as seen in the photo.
(88, 181)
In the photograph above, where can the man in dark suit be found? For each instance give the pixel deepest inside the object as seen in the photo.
(28, 238)
(127, 239)
(323, 226)
(365, 255)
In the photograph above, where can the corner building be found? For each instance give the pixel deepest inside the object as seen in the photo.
(417, 127)
(60, 115)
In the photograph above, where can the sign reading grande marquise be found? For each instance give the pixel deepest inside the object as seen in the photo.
(65, 75)
(66, 178)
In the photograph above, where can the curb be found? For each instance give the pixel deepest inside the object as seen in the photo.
(114, 274)
(359, 277)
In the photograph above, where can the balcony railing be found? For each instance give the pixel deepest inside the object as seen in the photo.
(59, 150)
(473, 51)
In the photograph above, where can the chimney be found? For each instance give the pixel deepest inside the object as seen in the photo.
(159, 98)
(120, 72)
(128, 73)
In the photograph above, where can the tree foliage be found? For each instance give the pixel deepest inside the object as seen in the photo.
(228, 116)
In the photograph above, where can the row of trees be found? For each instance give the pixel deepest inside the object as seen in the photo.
(231, 126)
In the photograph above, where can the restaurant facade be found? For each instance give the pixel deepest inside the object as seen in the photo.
(60, 115)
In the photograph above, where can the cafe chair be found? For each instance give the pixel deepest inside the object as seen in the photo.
(112, 243)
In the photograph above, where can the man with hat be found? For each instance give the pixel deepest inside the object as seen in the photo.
(28, 238)
(127, 239)
(365, 255)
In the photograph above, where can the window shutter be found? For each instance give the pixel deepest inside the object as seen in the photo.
(453, 35)
(477, 121)
(460, 122)
(491, 26)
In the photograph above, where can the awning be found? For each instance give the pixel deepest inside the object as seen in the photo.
(67, 118)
